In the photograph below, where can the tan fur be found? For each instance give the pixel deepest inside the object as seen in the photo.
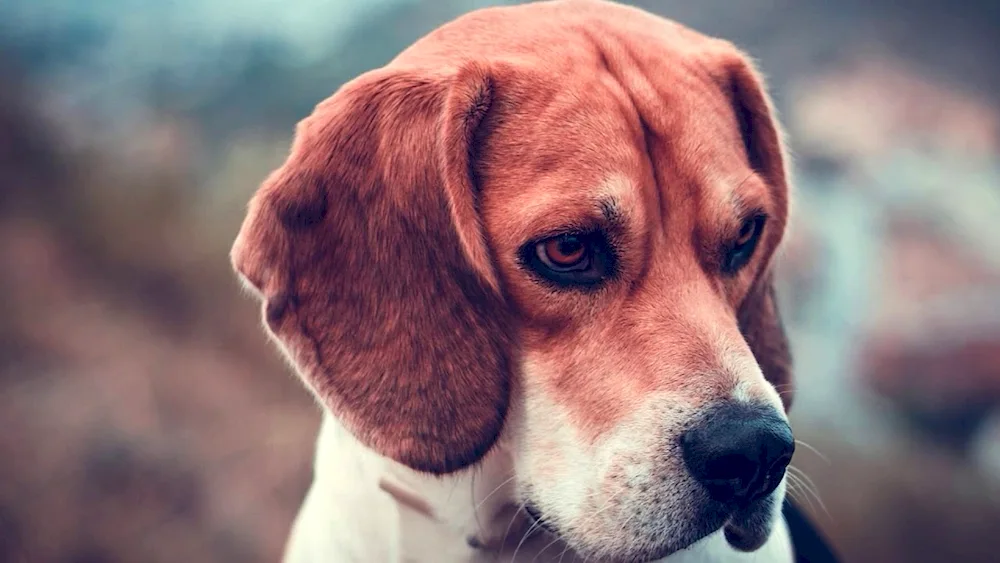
(386, 252)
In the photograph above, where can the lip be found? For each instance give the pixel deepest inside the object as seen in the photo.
(744, 539)
(746, 529)
(537, 520)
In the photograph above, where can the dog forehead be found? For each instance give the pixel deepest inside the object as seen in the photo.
(565, 42)
(598, 89)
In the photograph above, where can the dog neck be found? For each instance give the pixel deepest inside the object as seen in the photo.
(364, 507)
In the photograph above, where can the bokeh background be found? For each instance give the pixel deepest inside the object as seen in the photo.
(144, 417)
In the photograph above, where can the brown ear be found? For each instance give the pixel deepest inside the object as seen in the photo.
(759, 318)
(760, 322)
(375, 280)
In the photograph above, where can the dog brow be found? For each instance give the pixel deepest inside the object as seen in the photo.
(610, 209)
(744, 204)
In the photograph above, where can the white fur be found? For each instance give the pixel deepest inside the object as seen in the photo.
(347, 517)
(627, 489)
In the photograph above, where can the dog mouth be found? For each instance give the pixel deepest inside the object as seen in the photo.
(749, 529)
(746, 529)
(538, 521)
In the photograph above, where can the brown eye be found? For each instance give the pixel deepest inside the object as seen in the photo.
(747, 232)
(741, 250)
(572, 260)
(563, 253)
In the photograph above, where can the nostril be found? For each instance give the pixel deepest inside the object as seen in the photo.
(777, 453)
(730, 477)
(774, 473)
(732, 467)
(780, 464)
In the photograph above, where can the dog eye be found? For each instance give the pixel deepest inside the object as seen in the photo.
(742, 248)
(564, 253)
(570, 259)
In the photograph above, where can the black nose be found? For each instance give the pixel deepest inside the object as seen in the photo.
(739, 452)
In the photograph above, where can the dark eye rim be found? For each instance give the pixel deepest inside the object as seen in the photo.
(737, 255)
(600, 257)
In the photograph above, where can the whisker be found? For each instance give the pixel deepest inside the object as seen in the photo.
(513, 518)
(493, 492)
(802, 491)
(809, 487)
(814, 489)
(524, 536)
(813, 450)
(808, 497)
(557, 539)
(477, 506)
(795, 490)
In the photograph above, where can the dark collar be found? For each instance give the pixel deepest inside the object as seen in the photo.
(808, 542)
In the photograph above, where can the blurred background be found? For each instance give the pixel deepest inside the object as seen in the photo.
(145, 418)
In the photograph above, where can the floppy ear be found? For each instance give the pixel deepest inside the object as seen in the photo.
(759, 318)
(760, 322)
(365, 248)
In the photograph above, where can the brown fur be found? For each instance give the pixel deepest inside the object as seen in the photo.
(385, 247)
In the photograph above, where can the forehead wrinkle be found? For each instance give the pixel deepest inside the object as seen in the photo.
(627, 79)
(685, 118)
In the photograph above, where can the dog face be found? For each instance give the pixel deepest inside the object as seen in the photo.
(553, 222)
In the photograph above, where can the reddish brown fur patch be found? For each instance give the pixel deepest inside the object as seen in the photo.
(685, 121)
(385, 313)
(386, 247)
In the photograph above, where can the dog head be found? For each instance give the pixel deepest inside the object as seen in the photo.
(554, 222)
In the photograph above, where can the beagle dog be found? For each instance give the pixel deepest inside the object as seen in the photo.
(525, 269)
